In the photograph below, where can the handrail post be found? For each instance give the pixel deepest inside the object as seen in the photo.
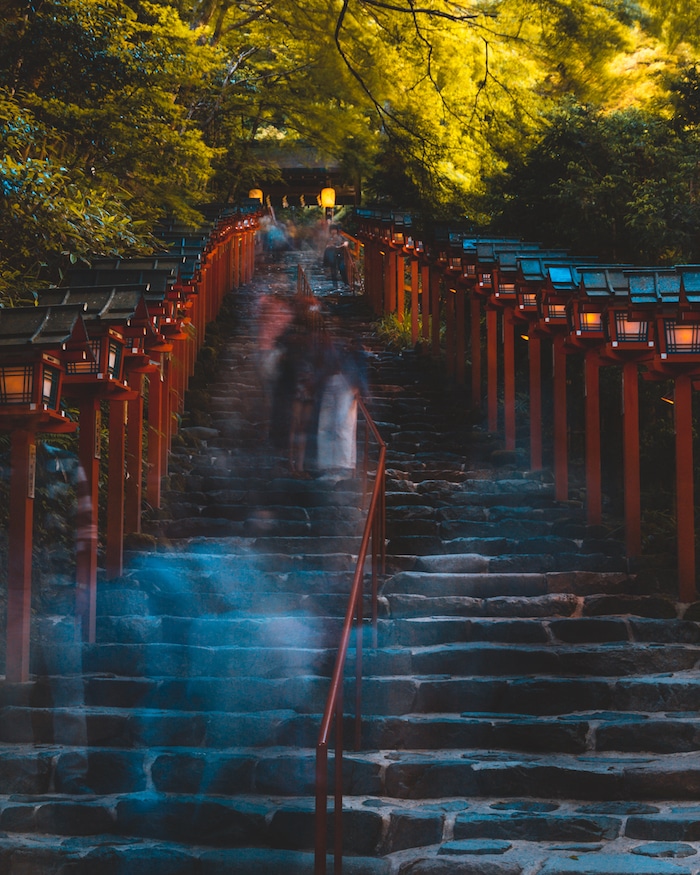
(334, 704)
(321, 808)
(338, 789)
(358, 671)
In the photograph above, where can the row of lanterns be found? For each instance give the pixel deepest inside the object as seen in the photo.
(326, 199)
(611, 314)
(115, 324)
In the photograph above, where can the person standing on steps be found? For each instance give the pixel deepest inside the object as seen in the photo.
(334, 256)
(297, 384)
(345, 380)
(274, 317)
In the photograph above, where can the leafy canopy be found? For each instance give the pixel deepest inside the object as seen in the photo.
(114, 113)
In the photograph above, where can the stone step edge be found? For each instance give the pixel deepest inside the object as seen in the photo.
(85, 854)
(587, 762)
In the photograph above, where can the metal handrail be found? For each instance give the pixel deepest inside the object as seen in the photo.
(374, 532)
(351, 254)
(304, 289)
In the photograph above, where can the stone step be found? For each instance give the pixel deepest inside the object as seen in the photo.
(260, 525)
(324, 631)
(43, 855)
(429, 630)
(417, 776)
(190, 819)
(547, 546)
(607, 659)
(292, 604)
(276, 494)
(522, 696)
(553, 604)
(166, 574)
(518, 694)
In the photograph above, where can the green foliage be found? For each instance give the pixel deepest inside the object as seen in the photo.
(95, 145)
(113, 113)
(618, 184)
(395, 334)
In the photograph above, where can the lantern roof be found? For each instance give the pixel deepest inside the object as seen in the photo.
(599, 280)
(185, 241)
(157, 280)
(492, 250)
(115, 304)
(165, 261)
(532, 268)
(654, 286)
(690, 282)
(41, 327)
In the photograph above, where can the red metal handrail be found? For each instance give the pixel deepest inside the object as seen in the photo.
(351, 255)
(304, 289)
(374, 533)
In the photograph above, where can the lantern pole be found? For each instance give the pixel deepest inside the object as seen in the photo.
(475, 309)
(89, 437)
(435, 310)
(534, 357)
(509, 378)
(19, 580)
(114, 553)
(492, 367)
(461, 339)
(594, 510)
(561, 469)
(425, 301)
(631, 456)
(685, 499)
(134, 460)
(414, 301)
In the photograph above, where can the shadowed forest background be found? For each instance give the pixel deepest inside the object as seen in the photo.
(575, 120)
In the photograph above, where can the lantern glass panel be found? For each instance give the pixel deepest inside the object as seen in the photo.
(49, 387)
(591, 321)
(114, 359)
(556, 311)
(16, 384)
(328, 198)
(681, 338)
(631, 331)
(528, 299)
(86, 366)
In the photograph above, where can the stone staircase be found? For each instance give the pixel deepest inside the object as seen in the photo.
(531, 708)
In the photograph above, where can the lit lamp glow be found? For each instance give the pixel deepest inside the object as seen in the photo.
(506, 290)
(34, 384)
(591, 321)
(681, 339)
(328, 201)
(631, 330)
(50, 384)
(527, 301)
(555, 311)
(485, 280)
(106, 359)
(16, 384)
(255, 194)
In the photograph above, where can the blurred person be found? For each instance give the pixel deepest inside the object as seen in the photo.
(334, 256)
(345, 380)
(275, 314)
(296, 391)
